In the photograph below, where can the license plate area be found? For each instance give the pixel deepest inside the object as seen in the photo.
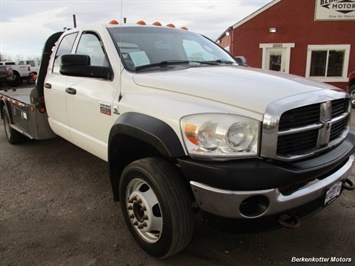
(333, 193)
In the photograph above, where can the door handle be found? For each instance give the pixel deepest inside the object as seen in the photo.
(70, 91)
(47, 85)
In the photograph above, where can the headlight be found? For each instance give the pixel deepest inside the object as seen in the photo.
(220, 136)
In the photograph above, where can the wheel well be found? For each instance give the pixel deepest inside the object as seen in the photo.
(124, 150)
(1, 111)
(2, 104)
(136, 136)
(127, 149)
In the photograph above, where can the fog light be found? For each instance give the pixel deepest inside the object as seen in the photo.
(254, 206)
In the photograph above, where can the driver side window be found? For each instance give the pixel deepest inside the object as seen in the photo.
(65, 47)
(91, 45)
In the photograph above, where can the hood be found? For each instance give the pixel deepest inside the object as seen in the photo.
(248, 88)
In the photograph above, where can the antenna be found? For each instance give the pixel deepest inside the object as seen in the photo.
(74, 20)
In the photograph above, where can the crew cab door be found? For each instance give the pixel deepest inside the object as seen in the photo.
(89, 100)
(54, 89)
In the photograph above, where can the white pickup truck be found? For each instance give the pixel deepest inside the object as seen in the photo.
(21, 72)
(186, 130)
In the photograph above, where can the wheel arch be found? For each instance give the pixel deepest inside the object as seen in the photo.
(2, 104)
(135, 136)
(352, 82)
(15, 72)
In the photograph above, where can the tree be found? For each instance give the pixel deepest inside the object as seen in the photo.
(4, 57)
(19, 57)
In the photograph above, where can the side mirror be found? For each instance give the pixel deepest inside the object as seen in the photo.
(79, 65)
(241, 60)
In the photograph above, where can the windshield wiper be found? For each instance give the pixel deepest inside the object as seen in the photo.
(215, 62)
(167, 63)
(164, 64)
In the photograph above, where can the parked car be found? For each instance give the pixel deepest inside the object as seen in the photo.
(351, 88)
(6, 74)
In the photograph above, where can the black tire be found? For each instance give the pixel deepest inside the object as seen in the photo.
(12, 136)
(30, 79)
(352, 95)
(16, 82)
(156, 207)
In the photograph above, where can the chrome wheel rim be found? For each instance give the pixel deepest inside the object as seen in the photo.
(143, 210)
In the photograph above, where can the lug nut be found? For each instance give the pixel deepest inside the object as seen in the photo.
(145, 217)
(139, 201)
(143, 209)
(132, 199)
(131, 216)
(130, 207)
(135, 223)
(141, 226)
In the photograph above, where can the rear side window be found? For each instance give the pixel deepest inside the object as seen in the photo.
(65, 47)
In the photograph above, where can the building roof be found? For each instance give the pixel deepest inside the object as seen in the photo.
(257, 12)
(252, 15)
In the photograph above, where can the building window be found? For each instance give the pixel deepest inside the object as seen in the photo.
(328, 63)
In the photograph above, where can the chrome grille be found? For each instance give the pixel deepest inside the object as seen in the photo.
(297, 127)
(297, 143)
(299, 117)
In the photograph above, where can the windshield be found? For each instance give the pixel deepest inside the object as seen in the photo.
(144, 47)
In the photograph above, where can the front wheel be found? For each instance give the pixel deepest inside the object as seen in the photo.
(156, 207)
(31, 79)
(352, 95)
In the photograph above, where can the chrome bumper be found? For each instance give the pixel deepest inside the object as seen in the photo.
(226, 203)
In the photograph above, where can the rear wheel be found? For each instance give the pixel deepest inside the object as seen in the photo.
(16, 82)
(12, 136)
(156, 207)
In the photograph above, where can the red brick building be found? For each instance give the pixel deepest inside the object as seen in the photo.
(309, 38)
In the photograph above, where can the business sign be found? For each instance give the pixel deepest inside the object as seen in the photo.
(335, 10)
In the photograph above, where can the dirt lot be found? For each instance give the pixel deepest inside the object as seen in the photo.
(56, 208)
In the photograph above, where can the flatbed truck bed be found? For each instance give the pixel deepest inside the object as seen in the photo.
(28, 115)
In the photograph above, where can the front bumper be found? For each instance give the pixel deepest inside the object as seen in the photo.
(256, 189)
(227, 203)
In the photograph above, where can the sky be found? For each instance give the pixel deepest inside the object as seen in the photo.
(25, 25)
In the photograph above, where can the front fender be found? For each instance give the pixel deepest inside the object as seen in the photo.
(135, 136)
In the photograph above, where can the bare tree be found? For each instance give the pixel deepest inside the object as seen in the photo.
(19, 57)
(37, 58)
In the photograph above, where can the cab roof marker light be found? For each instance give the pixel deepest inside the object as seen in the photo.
(141, 22)
(113, 22)
(157, 23)
(171, 25)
